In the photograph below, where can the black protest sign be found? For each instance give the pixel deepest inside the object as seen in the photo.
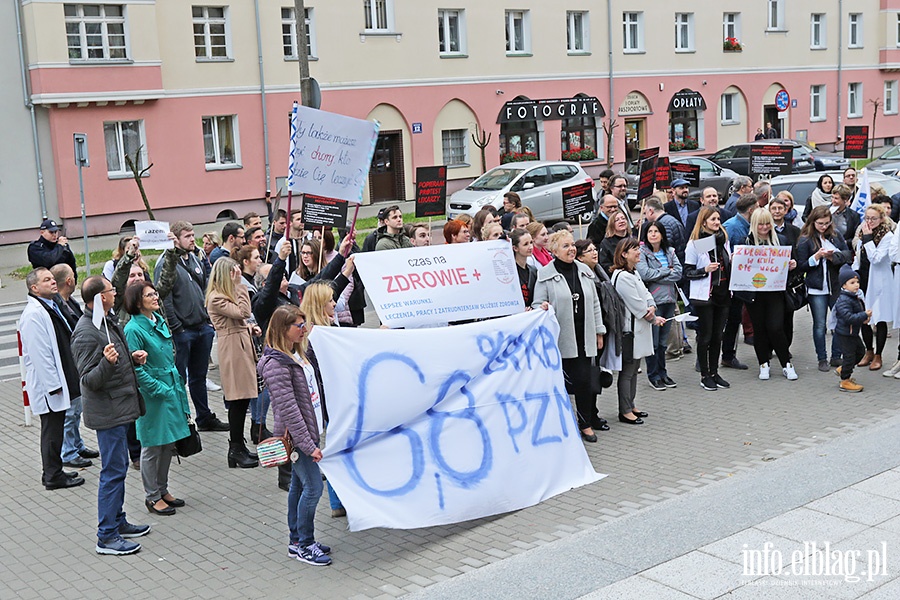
(431, 191)
(577, 200)
(663, 174)
(648, 153)
(856, 141)
(319, 211)
(686, 171)
(647, 178)
(770, 160)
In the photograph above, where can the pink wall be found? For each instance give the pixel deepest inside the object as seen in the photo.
(96, 79)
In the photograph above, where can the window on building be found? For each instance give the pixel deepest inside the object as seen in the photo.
(220, 141)
(452, 31)
(817, 103)
(633, 31)
(898, 30)
(855, 37)
(730, 109)
(684, 130)
(890, 98)
(579, 138)
(731, 25)
(518, 138)
(210, 32)
(518, 32)
(95, 31)
(124, 138)
(289, 33)
(854, 100)
(817, 30)
(379, 15)
(455, 146)
(775, 15)
(578, 32)
(684, 32)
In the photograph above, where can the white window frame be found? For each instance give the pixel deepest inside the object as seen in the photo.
(897, 31)
(818, 26)
(444, 17)
(684, 32)
(817, 96)
(633, 44)
(890, 97)
(378, 16)
(854, 100)
(511, 17)
(123, 171)
(855, 33)
(217, 163)
(731, 24)
(730, 108)
(775, 15)
(446, 145)
(571, 38)
(206, 21)
(104, 21)
(289, 30)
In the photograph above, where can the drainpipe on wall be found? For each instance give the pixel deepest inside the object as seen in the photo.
(26, 92)
(262, 95)
(609, 38)
(840, 63)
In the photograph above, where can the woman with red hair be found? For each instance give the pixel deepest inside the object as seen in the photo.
(456, 232)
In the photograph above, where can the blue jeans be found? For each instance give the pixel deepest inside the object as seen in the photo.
(306, 489)
(192, 348)
(113, 444)
(818, 305)
(72, 443)
(333, 499)
(656, 363)
(259, 407)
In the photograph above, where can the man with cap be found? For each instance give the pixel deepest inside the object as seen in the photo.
(51, 248)
(680, 207)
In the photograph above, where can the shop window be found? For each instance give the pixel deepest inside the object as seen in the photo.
(683, 130)
(519, 141)
(579, 139)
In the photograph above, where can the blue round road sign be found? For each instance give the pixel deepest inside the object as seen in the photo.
(782, 100)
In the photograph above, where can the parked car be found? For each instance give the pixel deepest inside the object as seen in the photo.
(801, 186)
(888, 163)
(538, 183)
(826, 161)
(711, 175)
(737, 157)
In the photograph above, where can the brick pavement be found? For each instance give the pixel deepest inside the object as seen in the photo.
(229, 542)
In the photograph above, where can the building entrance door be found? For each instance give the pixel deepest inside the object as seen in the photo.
(386, 170)
(634, 139)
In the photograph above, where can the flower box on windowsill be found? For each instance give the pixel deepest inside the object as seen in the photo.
(732, 50)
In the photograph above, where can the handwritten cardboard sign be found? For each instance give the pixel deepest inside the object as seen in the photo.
(153, 235)
(759, 268)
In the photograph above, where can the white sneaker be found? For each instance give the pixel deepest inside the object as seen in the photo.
(892, 372)
(212, 387)
(764, 371)
(789, 372)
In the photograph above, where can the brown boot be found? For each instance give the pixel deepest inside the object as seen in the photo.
(867, 359)
(876, 363)
(848, 385)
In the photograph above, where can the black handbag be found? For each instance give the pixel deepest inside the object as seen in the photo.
(796, 296)
(190, 445)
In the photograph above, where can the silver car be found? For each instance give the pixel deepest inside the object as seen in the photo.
(538, 183)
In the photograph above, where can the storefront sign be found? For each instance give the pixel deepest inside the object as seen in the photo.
(323, 212)
(431, 191)
(856, 141)
(687, 100)
(634, 104)
(577, 200)
(771, 160)
(759, 268)
(550, 110)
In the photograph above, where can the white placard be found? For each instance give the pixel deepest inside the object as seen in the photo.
(331, 154)
(760, 268)
(437, 284)
(436, 426)
(153, 235)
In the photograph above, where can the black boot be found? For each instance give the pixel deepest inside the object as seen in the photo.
(238, 456)
(254, 432)
(284, 477)
(252, 455)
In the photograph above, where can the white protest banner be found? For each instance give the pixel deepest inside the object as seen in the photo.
(153, 235)
(436, 426)
(331, 154)
(760, 268)
(436, 284)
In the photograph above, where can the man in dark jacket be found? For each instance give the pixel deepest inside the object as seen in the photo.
(51, 248)
(680, 207)
(111, 403)
(393, 236)
(189, 323)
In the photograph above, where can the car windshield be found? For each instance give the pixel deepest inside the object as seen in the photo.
(892, 153)
(495, 179)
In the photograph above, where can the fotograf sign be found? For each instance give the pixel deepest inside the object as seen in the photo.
(549, 110)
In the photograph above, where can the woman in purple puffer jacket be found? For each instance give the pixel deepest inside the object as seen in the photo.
(292, 376)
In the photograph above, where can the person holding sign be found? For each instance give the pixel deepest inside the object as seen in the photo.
(767, 309)
(873, 243)
(568, 286)
(708, 265)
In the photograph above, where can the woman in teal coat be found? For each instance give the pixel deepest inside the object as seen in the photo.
(166, 420)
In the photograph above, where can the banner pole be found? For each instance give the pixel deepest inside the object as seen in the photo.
(641, 219)
(321, 248)
(352, 233)
(580, 227)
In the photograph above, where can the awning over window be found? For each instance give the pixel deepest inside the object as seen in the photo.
(550, 110)
(687, 100)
